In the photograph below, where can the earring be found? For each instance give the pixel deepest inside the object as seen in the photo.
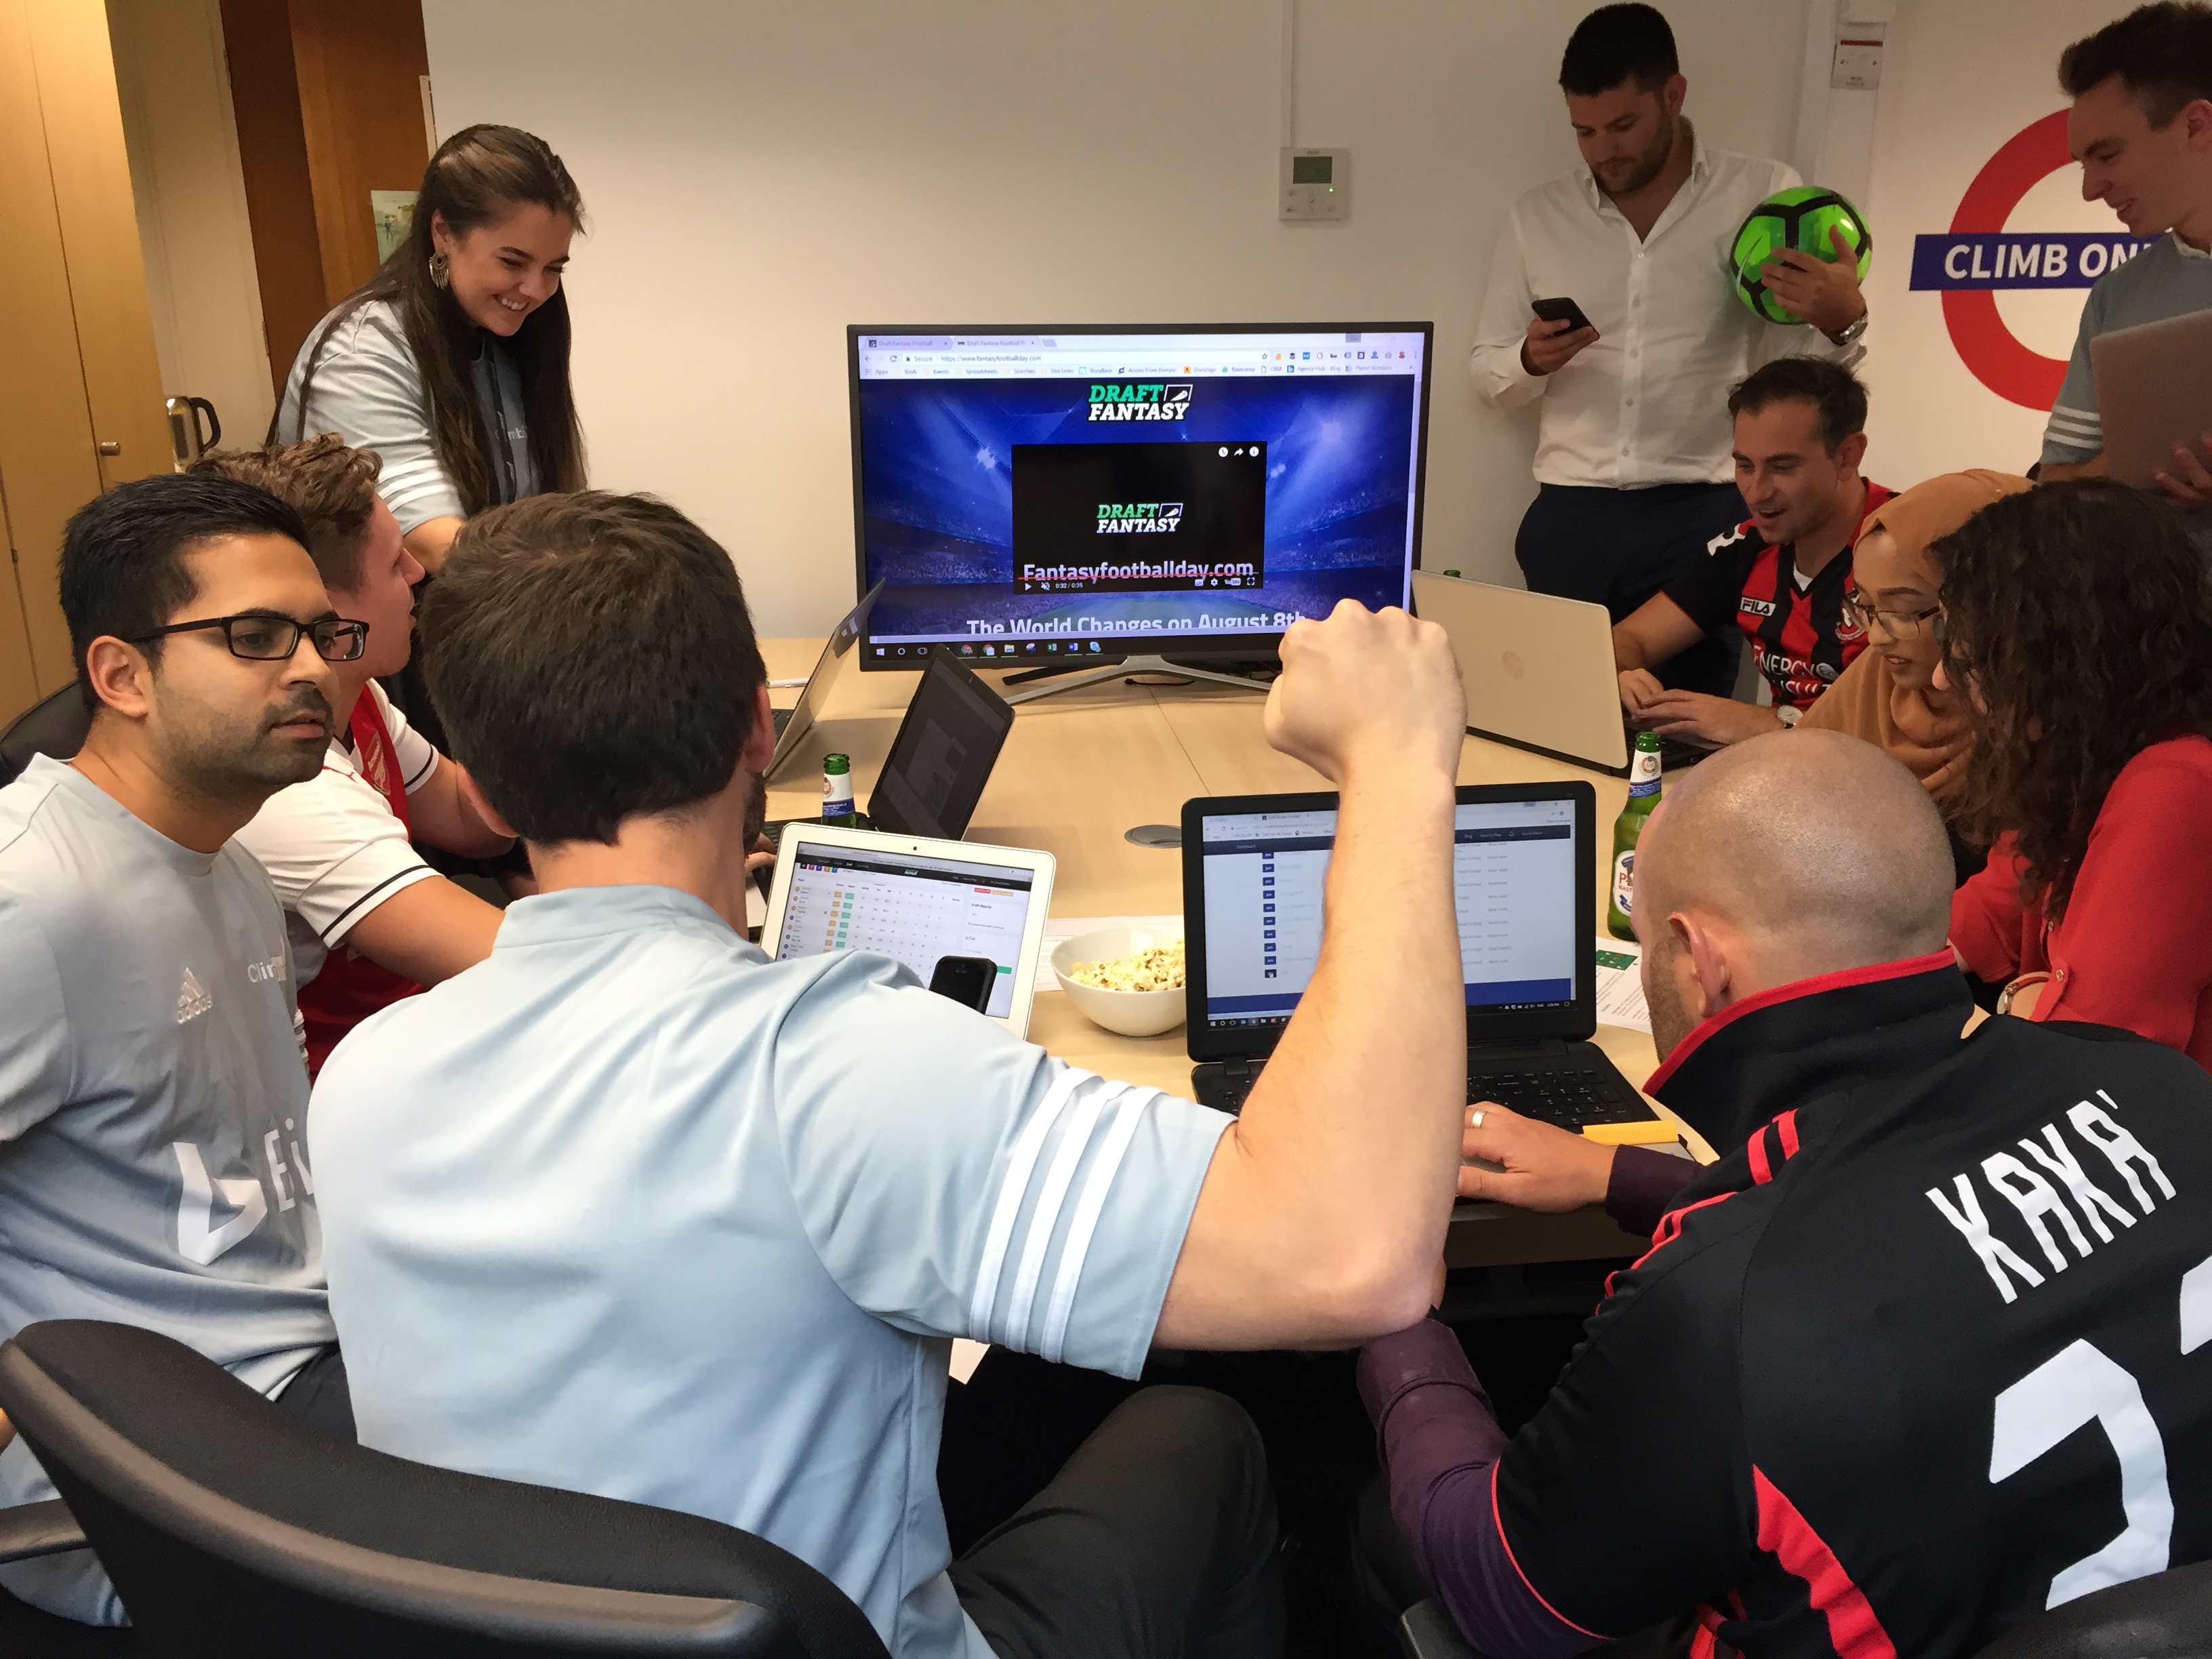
(440, 269)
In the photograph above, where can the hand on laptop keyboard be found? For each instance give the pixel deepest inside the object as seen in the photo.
(1540, 1166)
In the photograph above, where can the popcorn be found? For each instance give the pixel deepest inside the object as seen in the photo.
(1159, 968)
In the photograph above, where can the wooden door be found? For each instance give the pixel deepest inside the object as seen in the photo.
(81, 406)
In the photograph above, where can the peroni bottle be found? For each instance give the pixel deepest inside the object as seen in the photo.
(1642, 796)
(837, 789)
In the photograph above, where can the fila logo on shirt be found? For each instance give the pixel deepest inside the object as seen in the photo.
(1755, 607)
(199, 1238)
(2032, 1189)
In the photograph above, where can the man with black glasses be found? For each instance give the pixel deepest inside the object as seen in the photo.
(153, 1096)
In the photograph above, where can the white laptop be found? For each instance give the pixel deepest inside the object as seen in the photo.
(793, 723)
(1538, 669)
(968, 918)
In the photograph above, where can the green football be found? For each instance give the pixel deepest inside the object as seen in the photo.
(1799, 218)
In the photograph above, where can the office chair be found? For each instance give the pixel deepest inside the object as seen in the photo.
(2167, 1615)
(230, 1529)
(52, 726)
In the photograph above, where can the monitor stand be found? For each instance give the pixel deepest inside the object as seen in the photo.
(1085, 674)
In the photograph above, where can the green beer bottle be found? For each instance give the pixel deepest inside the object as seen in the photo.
(1642, 796)
(837, 789)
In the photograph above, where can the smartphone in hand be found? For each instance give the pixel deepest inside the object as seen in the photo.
(1562, 310)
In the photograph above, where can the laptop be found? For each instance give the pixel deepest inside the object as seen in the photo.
(1539, 673)
(1525, 869)
(926, 902)
(2153, 392)
(793, 723)
(940, 760)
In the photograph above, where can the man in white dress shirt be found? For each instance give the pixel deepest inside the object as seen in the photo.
(1632, 460)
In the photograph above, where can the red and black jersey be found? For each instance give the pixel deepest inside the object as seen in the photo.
(1799, 636)
(1929, 1351)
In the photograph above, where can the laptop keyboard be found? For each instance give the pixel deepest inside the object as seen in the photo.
(1570, 1096)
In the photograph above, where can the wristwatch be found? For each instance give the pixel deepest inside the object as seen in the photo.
(1851, 331)
(1786, 713)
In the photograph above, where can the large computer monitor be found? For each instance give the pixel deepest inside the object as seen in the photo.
(1160, 495)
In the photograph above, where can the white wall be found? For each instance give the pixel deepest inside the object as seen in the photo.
(1931, 413)
(758, 175)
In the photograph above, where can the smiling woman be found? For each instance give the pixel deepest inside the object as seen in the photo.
(452, 362)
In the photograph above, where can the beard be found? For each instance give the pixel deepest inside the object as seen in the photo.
(219, 754)
(1670, 1020)
(1650, 164)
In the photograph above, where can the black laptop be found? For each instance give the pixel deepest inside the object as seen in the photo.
(1524, 871)
(940, 760)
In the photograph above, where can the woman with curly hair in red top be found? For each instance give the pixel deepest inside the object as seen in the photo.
(2079, 620)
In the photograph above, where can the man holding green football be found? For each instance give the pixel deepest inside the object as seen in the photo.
(1633, 456)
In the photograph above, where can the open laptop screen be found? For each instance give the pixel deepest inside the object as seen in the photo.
(915, 909)
(1518, 880)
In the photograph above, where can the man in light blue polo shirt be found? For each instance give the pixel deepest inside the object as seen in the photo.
(631, 1209)
(2142, 128)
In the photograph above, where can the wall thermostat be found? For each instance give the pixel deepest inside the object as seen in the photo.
(1316, 184)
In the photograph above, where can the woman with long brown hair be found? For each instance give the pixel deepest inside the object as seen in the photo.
(452, 362)
(2078, 621)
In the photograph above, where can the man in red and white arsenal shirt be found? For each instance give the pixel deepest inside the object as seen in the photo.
(370, 922)
(1781, 575)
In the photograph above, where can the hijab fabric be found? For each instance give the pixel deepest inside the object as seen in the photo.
(1866, 701)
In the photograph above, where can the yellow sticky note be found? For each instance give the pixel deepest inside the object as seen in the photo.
(1643, 1132)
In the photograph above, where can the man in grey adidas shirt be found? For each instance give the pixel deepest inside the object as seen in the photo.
(2142, 127)
(153, 1095)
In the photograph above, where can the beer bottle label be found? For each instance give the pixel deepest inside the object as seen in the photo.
(1643, 776)
(1624, 866)
(836, 794)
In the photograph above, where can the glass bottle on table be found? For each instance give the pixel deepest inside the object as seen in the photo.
(837, 789)
(1628, 829)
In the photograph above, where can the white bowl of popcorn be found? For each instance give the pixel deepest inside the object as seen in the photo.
(1129, 980)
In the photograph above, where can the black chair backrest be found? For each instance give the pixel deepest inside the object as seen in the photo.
(52, 726)
(229, 1528)
(2167, 1615)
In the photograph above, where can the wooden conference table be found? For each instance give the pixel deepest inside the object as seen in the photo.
(1082, 766)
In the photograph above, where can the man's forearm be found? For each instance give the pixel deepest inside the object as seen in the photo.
(1440, 1443)
(1323, 1212)
(1369, 1083)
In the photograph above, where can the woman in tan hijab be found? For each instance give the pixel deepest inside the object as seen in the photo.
(1888, 696)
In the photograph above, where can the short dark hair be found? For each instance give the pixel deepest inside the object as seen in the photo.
(2083, 618)
(1613, 44)
(2162, 54)
(330, 486)
(592, 660)
(123, 555)
(1833, 391)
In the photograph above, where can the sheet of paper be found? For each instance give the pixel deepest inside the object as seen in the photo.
(1057, 930)
(1620, 985)
(966, 1356)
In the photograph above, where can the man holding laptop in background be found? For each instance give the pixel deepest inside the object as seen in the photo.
(2142, 128)
(630, 1208)
(1632, 451)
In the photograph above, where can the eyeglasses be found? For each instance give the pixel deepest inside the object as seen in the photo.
(1900, 625)
(260, 637)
